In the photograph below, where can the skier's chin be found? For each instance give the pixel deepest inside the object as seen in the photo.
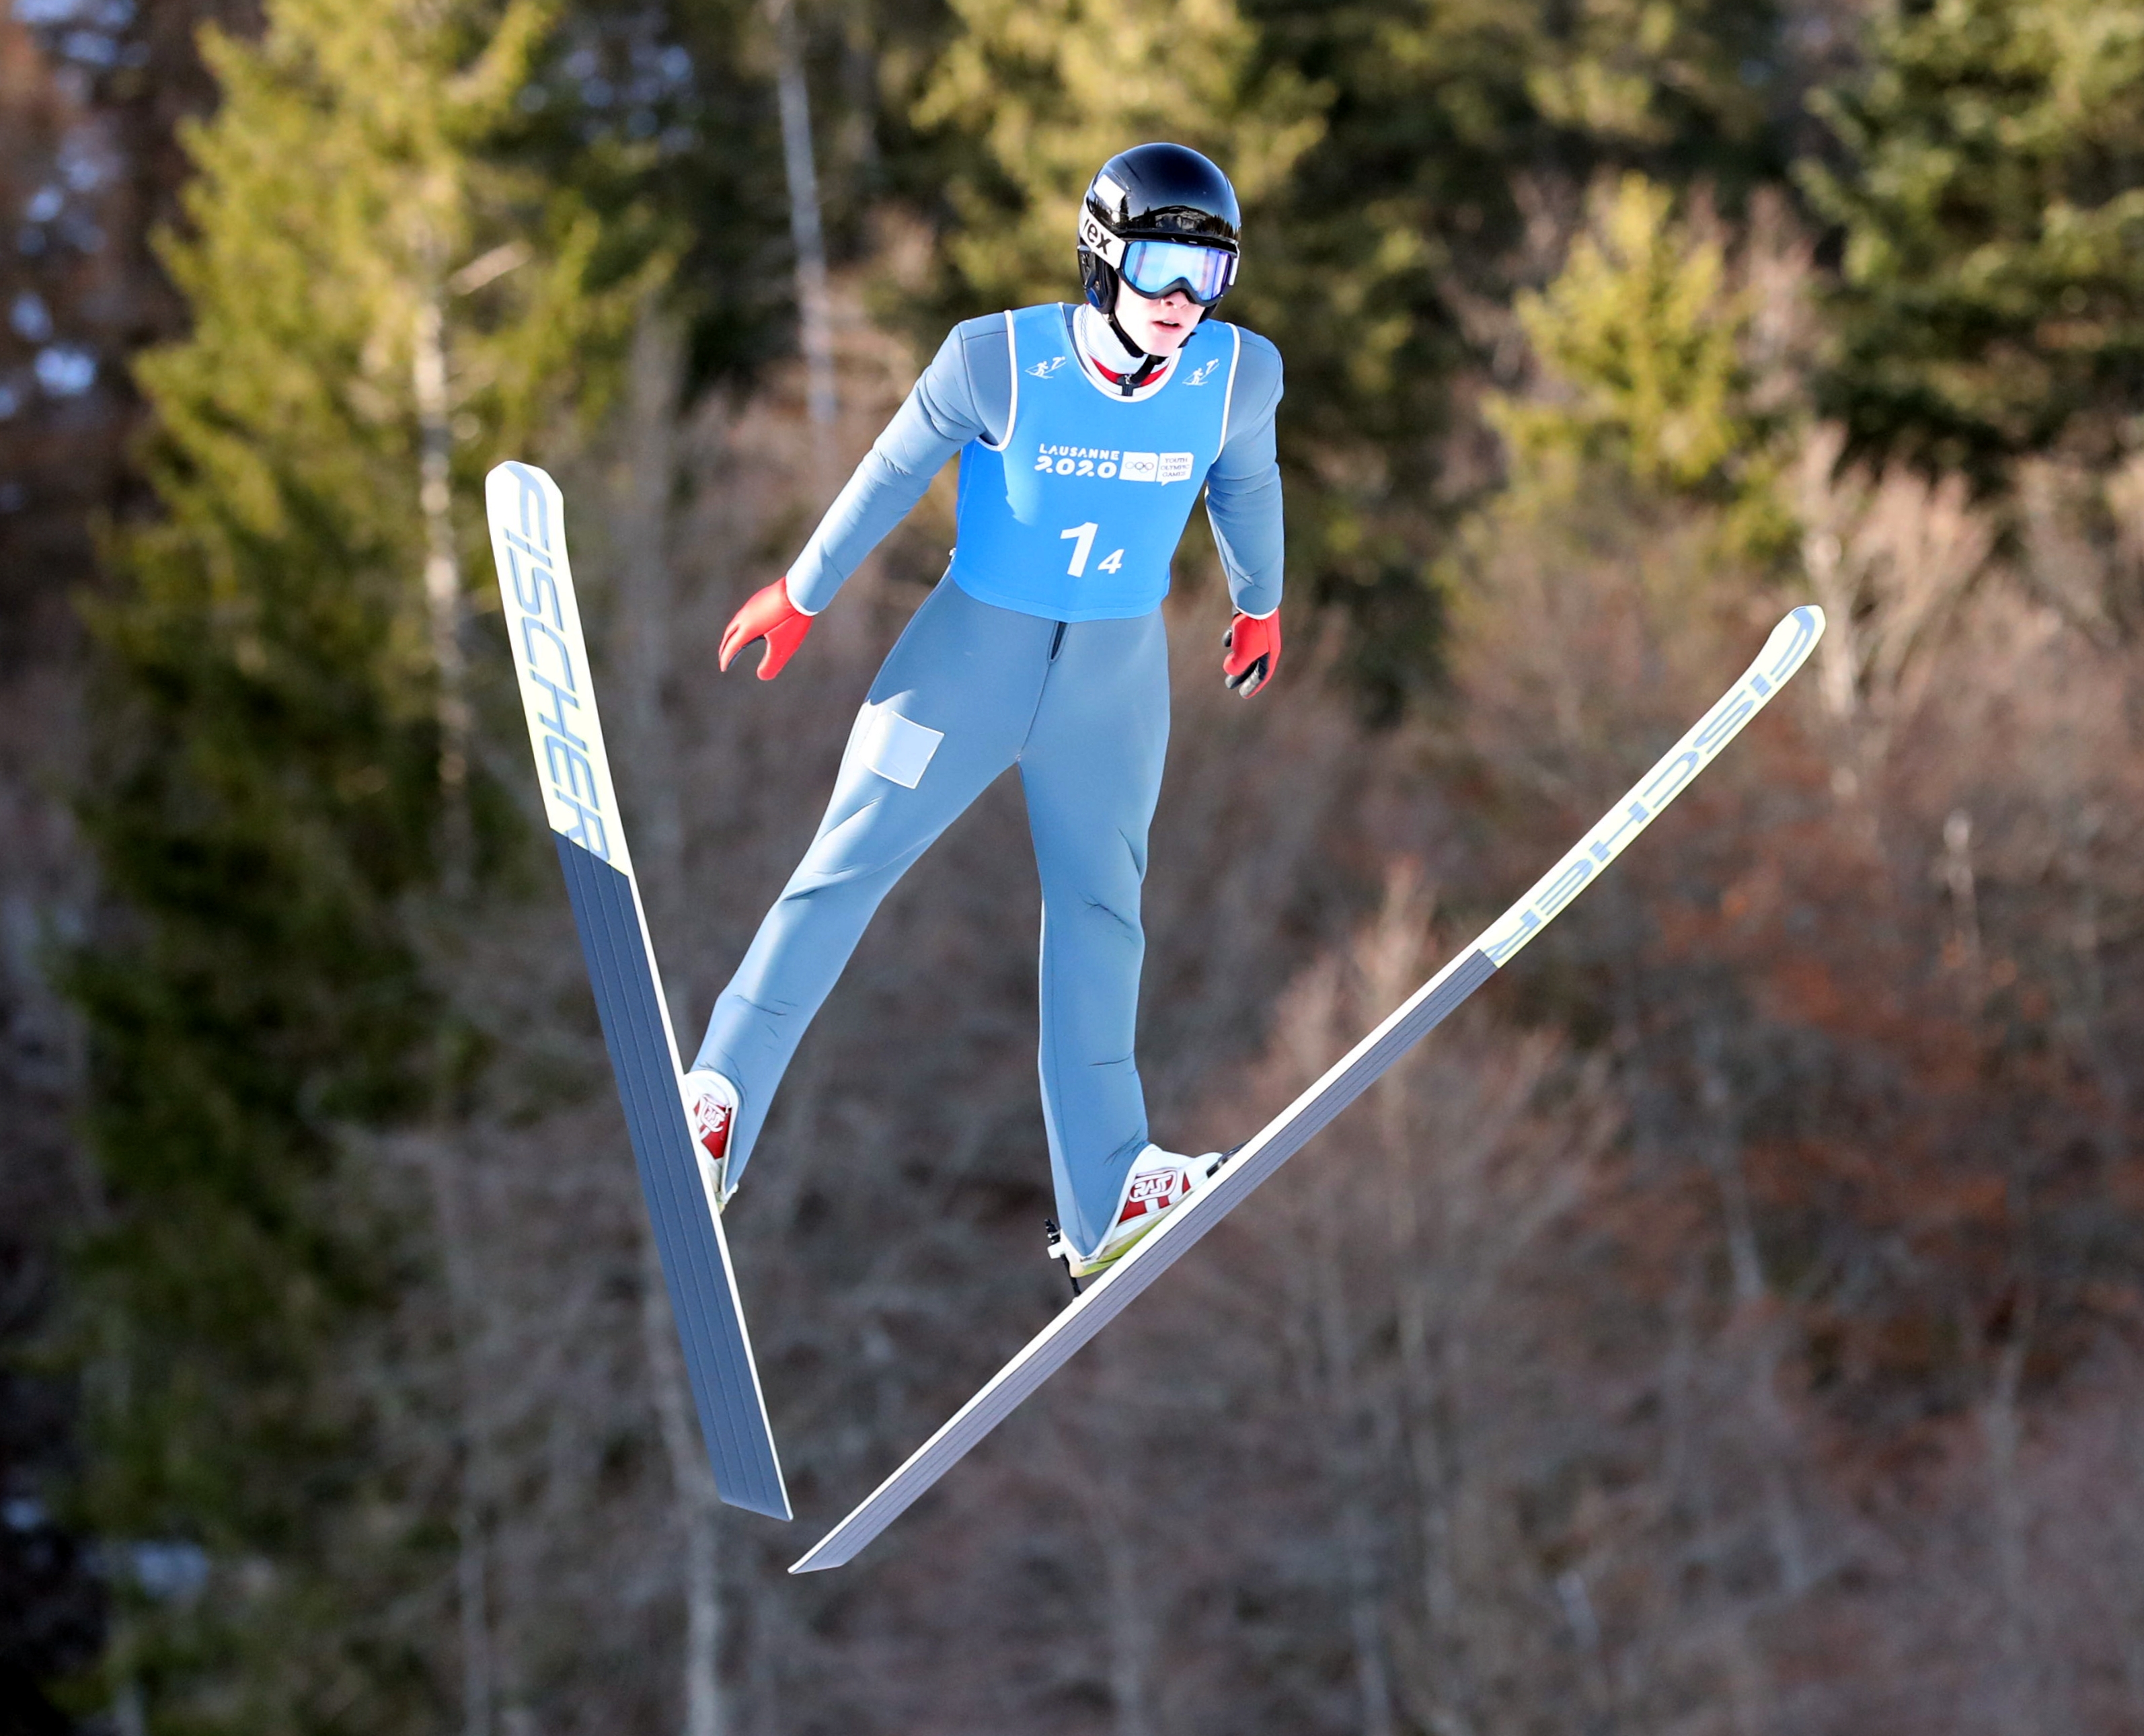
(1158, 328)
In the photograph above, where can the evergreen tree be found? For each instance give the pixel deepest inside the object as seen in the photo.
(1640, 328)
(1990, 195)
(380, 309)
(1644, 344)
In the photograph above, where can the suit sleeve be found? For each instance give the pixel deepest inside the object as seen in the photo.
(1242, 490)
(964, 395)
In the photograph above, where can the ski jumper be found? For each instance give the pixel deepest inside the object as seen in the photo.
(1046, 651)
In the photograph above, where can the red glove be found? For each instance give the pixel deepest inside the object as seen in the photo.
(1253, 648)
(770, 616)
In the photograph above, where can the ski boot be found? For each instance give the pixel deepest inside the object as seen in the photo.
(710, 1107)
(1158, 1180)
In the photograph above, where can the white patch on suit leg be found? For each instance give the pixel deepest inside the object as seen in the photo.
(893, 747)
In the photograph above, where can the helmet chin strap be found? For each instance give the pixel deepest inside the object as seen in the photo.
(1148, 365)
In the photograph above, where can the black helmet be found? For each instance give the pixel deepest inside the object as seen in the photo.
(1167, 194)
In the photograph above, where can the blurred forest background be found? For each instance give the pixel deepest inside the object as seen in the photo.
(1732, 1323)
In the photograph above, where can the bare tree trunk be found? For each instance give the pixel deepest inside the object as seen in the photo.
(443, 605)
(1335, 1389)
(1346, 1420)
(1753, 1300)
(443, 584)
(1576, 1599)
(1093, 1466)
(1837, 656)
(2000, 1429)
(2132, 1623)
(2085, 937)
(1965, 908)
(693, 1484)
(646, 616)
(1133, 1622)
(1723, 1153)
(770, 1626)
(646, 621)
(814, 312)
(471, 1516)
(1423, 1400)
(1131, 1635)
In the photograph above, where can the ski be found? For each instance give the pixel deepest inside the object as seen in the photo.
(1784, 652)
(551, 659)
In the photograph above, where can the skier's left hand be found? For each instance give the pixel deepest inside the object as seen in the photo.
(1253, 648)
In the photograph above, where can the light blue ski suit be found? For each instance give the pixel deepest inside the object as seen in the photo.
(1045, 650)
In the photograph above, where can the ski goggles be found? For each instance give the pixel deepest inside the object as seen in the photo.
(1156, 268)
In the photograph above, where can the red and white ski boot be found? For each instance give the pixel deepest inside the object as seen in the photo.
(1159, 1181)
(710, 1107)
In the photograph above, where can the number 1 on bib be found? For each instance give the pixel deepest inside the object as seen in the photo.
(1084, 534)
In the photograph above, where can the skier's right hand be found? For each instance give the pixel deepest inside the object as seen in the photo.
(770, 616)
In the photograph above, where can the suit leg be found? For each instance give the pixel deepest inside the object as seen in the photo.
(1092, 769)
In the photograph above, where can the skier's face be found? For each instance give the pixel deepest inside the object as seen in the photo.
(1158, 327)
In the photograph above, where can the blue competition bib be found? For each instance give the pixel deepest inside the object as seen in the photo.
(1076, 516)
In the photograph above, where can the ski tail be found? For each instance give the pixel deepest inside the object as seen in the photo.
(1784, 652)
(580, 801)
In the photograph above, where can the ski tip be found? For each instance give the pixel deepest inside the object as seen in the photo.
(522, 497)
(516, 470)
(1791, 642)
